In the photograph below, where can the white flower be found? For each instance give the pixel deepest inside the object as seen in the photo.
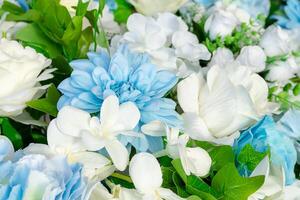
(8, 29)
(223, 19)
(91, 133)
(229, 100)
(281, 71)
(292, 192)
(220, 23)
(146, 175)
(194, 160)
(108, 23)
(221, 57)
(274, 181)
(253, 57)
(276, 41)
(152, 7)
(21, 70)
(167, 40)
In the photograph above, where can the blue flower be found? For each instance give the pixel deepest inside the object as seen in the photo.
(205, 3)
(129, 76)
(291, 19)
(111, 4)
(255, 7)
(25, 176)
(266, 134)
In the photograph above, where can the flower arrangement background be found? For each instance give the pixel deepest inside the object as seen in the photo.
(150, 99)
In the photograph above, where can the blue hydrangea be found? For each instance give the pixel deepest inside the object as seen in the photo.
(37, 177)
(266, 135)
(129, 76)
(291, 19)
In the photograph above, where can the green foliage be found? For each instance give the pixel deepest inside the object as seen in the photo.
(249, 158)
(228, 182)
(47, 104)
(9, 131)
(123, 11)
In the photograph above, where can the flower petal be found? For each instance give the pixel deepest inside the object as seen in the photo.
(118, 153)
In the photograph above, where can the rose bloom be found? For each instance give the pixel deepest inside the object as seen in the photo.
(21, 70)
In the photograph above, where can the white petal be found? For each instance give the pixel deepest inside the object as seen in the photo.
(93, 163)
(39, 149)
(196, 128)
(188, 93)
(129, 116)
(136, 23)
(92, 142)
(154, 128)
(145, 173)
(58, 139)
(118, 153)
(71, 121)
(168, 194)
(109, 111)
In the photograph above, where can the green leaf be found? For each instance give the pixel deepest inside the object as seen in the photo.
(54, 19)
(81, 8)
(193, 197)
(179, 169)
(296, 89)
(250, 158)
(39, 138)
(29, 16)
(32, 36)
(180, 186)
(9, 131)
(167, 177)
(197, 186)
(71, 36)
(48, 104)
(234, 187)
(221, 155)
(84, 42)
(123, 11)
(12, 8)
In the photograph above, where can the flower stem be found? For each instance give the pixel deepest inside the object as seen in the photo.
(122, 177)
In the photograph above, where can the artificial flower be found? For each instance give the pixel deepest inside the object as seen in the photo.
(255, 7)
(292, 192)
(36, 177)
(152, 7)
(223, 19)
(21, 70)
(145, 165)
(233, 95)
(8, 29)
(84, 132)
(129, 76)
(155, 37)
(194, 160)
(264, 135)
(275, 41)
(291, 19)
(253, 57)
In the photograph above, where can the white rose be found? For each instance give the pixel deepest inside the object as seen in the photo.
(20, 72)
(275, 41)
(234, 96)
(152, 7)
(220, 23)
(253, 57)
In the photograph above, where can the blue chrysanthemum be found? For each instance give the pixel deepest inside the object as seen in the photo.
(291, 19)
(129, 76)
(25, 176)
(267, 135)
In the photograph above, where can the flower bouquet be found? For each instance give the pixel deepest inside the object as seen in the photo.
(150, 100)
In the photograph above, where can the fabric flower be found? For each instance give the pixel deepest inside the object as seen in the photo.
(93, 134)
(129, 76)
(291, 19)
(146, 175)
(36, 177)
(264, 135)
(223, 19)
(233, 95)
(21, 70)
(255, 7)
(194, 160)
(167, 40)
(152, 7)
(276, 41)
